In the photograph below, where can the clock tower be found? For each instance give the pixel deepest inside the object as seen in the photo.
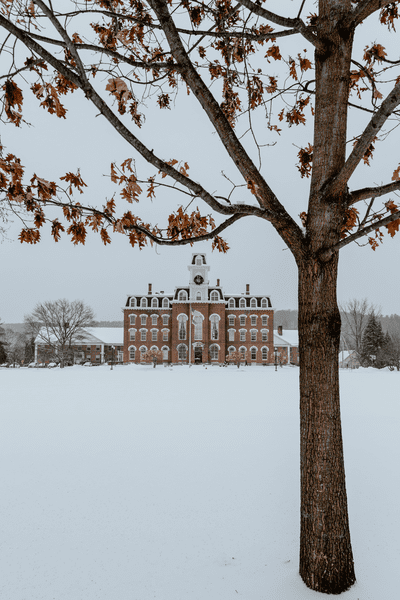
(198, 282)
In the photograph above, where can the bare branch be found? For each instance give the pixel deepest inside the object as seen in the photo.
(374, 126)
(296, 24)
(364, 9)
(375, 192)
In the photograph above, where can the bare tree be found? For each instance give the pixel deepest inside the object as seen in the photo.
(62, 325)
(354, 314)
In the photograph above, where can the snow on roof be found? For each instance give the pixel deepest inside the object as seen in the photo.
(290, 337)
(90, 336)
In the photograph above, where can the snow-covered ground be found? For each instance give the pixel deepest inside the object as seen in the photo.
(182, 483)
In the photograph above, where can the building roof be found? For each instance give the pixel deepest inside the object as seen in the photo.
(91, 336)
(289, 337)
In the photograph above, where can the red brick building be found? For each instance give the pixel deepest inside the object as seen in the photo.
(198, 323)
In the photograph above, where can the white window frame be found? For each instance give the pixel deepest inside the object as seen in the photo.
(242, 335)
(264, 335)
(143, 302)
(132, 319)
(253, 335)
(130, 352)
(165, 303)
(214, 296)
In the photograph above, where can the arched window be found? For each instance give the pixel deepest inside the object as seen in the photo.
(199, 260)
(231, 303)
(198, 327)
(253, 353)
(214, 319)
(242, 320)
(165, 351)
(243, 351)
(143, 334)
(264, 353)
(154, 319)
(182, 351)
(264, 335)
(253, 320)
(165, 303)
(142, 350)
(214, 349)
(165, 319)
(242, 303)
(253, 303)
(231, 349)
(199, 296)
(182, 296)
(253, 335)
(182, 326)
(264, 303)
(132, 319)
(132, 351)
(154, 333)
(165, 334)
(132, 302)
(231, 335)
(154, 303)
(132, 335)
(264, 320)
(242, 333)
(143, 303)
(214, 297)
(143, 319)
(231, 320)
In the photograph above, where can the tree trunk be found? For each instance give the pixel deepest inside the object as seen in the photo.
(326, 559)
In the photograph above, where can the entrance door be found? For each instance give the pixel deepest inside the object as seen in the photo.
(198, 355)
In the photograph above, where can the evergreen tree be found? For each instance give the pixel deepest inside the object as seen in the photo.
(372, 341)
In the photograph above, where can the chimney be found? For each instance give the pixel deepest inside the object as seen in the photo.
(150, 292)
(247, 289)
(217, 282)
(279, 329)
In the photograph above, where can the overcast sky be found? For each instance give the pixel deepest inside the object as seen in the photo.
(104, 276)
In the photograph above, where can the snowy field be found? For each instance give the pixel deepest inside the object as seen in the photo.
(183, 484)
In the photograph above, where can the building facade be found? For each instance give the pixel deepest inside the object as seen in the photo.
(96, 345)
(198, 323)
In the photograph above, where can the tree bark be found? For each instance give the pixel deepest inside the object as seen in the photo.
(326, 559)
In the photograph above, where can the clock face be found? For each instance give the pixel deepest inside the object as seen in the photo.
(198, 279)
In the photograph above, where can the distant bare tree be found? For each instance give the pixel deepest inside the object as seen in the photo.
(354, 314)
(61, 324)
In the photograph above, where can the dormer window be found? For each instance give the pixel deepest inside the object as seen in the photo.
(253, 303)
(231, 303)
(182, 296)
(132, 302)
(143, 303)
(165, 303)
(242, 303)
(154, 303)
(214, 297)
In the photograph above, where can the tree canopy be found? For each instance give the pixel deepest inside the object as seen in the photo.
(127, 57)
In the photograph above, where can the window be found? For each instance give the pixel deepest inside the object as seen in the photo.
(253, 303)
(231, 335)
(253, 320)
(264, 320)
(253, 334)
(264, 353)
(154, 303)
(214, 297)
(264, 303)
(243, 320)
(154, 335)
(165, 351)
(143, 333)
(182, 296)
(214, 326)
(165, 319)
(143, 319)
(143, 303)
(182, 327)
(165, 335)
(199, 296)
(231, 320)
(199, 260)
(214, 349)
(142, 350)
(242, 303)
(243, 351)
(165, 303)
(231, 349)
(198, 328)
(97, 348)
(154, 319)
(231, 303)
(132, 319)
(182, 352)
(242, 335)
(264, 335)
(132, 351)
(253, 353)
(132, 334)
(132, 302)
